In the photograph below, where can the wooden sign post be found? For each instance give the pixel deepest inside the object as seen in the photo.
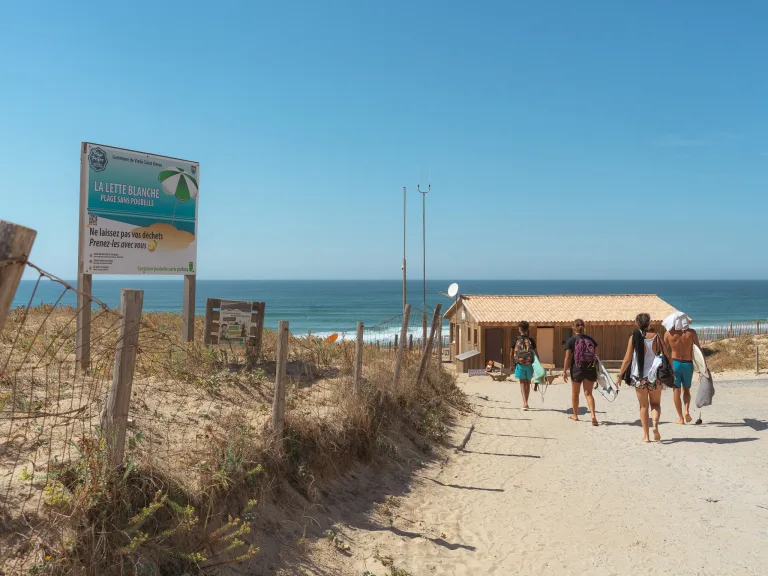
(138, 215)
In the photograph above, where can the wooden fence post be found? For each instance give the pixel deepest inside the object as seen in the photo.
(439, 345)
(15, 245)
(260, 330)
(278, 405)
(359, 357)
(758, 327)
(410, 341)
(428, 348)
(114, 420)
(401, 350)
(188, 309)
(757, 356)
(210, 304)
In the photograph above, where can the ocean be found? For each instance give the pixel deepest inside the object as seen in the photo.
(328, 306)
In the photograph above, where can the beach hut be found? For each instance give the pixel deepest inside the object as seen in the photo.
(488, 324)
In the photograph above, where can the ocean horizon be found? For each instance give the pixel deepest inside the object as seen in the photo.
(328, 306)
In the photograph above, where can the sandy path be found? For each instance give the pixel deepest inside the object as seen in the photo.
(536, 493)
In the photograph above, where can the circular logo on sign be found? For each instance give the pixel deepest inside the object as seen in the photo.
(97, 159)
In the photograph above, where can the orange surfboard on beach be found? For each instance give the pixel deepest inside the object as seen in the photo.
(332, 338)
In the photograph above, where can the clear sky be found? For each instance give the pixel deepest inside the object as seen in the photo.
(566, 139)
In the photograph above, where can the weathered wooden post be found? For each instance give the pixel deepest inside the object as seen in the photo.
(278, 405)
(359, 357)
(15, 245)
(188, 309)
(758, 327)
(439, 347)
(257, 346)
(210, 304)
(114, 420)
(730, 330)
(410, 342)
(84, 278)
(401, 350)
(428, 348)
(757, 356)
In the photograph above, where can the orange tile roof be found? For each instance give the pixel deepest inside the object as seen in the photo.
(559, 308)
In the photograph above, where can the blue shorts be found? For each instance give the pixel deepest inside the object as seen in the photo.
(683, 373)
(524, 372)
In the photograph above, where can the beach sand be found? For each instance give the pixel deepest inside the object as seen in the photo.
(536, 493)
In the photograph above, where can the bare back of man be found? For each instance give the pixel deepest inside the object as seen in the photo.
(681, 343)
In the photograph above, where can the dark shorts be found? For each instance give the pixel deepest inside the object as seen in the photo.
(581, 373)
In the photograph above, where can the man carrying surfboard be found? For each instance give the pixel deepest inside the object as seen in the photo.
(521, 355)
(681, 339)
(581, 361)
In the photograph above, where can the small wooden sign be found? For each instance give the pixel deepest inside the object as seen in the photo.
(226, 320)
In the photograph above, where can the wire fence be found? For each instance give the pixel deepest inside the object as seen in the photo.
(49, 411)
(733, 330)
(196, 420)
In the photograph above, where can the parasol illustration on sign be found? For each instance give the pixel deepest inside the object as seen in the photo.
(179, 183)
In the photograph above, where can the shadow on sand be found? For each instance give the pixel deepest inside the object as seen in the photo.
(461, 487)
(709, 440)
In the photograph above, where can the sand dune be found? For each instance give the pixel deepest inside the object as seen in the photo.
(535, 493)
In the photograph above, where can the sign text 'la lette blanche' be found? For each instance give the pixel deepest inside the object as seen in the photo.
(140, 212)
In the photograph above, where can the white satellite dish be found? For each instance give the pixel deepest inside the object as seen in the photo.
(453, 289)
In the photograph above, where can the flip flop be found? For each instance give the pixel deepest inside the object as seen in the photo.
(595, 422)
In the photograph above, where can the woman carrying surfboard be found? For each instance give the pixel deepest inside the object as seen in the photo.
(643, 347)
(581, 361)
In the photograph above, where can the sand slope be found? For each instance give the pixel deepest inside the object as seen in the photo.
(536, 493)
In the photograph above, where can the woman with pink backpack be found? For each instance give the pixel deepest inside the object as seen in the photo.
(581, 361)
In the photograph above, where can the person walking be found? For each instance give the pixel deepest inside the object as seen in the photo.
(521, 356)
(581, 362)
(643, 347)
(681, 340)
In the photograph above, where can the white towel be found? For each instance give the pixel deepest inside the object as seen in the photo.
(654, 368)
(677, 321)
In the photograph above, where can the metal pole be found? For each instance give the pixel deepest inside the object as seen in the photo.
(424, 260)
(405, 298)
(424, 256)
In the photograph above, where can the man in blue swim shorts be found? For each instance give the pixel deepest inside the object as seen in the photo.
(681, 339)
(521, 355)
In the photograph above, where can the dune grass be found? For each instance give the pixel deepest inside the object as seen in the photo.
(200, 457)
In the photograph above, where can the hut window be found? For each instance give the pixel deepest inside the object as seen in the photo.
(475, 336)
(469, 335)
(567, 333)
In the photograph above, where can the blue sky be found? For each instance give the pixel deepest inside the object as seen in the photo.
(566, 139)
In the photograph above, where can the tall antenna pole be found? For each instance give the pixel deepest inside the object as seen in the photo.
(405, 298)
(424, 250)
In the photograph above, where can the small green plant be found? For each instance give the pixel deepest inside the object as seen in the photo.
(55, 494)
(26, 476)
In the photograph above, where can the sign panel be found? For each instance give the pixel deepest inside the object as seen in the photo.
(234, 321)
(139, 212)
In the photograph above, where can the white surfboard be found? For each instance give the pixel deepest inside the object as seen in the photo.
(605, 383)
(699, 362)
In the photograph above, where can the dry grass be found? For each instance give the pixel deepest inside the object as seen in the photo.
(200, 453)
(736, 353)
